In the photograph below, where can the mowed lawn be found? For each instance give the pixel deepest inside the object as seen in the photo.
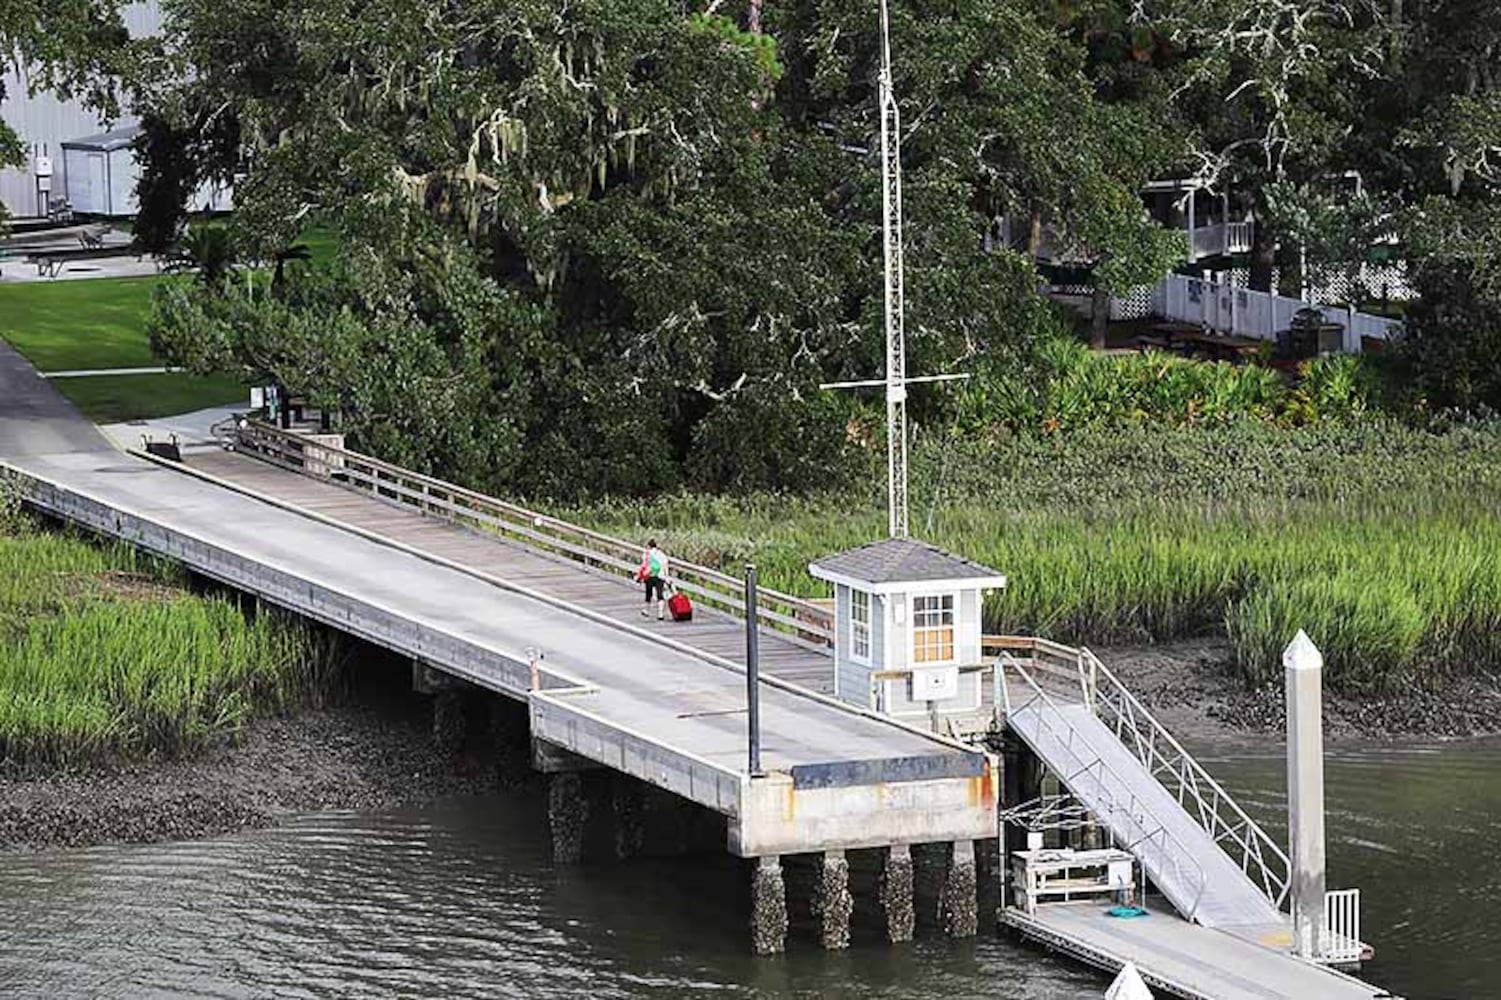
(100, 323)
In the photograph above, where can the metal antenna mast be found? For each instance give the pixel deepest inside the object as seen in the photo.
(895, 294)
(896, 380)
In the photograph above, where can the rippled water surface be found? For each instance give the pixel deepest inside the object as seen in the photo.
(463, 900)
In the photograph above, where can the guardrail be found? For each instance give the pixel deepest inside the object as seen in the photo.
(1238, 835)
(1259, 856)
(319, 459)
(1341, 944)
(1172, 856)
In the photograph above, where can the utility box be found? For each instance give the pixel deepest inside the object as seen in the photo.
(907, 620)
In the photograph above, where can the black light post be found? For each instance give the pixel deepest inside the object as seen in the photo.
(752, 670)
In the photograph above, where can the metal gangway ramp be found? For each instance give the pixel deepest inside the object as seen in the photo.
(1217, 867)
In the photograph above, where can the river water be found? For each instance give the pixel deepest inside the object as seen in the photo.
(462, 899)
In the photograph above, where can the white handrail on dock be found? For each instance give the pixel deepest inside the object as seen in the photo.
(798, 618)
(1341, 943)
(1260, 857)
(1168, 850)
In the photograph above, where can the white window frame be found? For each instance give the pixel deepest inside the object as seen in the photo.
(916, 630)
(856, 626)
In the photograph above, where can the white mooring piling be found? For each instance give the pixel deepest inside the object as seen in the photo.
(1304, 666)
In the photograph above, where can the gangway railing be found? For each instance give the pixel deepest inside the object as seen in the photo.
(1201, 796)
(1341, 943)
(1258, 855)
(315, 456)
(1153, 842)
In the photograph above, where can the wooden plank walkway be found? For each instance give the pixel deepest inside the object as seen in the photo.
(710, 631)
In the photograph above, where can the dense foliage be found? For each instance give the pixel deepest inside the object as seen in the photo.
(648, 230)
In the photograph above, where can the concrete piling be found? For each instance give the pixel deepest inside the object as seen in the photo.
(768, 907)
(567, 813)
(897, 880)
(630, 824)
(959, 905)
(449, 723)
(832, 902)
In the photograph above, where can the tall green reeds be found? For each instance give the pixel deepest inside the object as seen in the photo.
(1383, 542)
(103, 652)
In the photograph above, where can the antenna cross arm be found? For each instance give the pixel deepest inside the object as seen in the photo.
(873, 383)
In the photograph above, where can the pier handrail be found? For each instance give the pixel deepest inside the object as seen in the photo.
(801, 619)
(1260, 857)
(1050, 716)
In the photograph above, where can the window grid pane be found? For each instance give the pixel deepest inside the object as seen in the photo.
(860, 624)
(933, 628)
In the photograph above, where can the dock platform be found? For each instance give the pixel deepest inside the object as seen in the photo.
(1185, 959)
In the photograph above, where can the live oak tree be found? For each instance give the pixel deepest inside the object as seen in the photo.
(675, 211)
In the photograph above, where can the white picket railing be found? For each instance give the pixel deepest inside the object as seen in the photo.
(1247, 313)
(1340, 944)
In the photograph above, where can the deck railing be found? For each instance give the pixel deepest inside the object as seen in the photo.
(1239, 836)
(314, 456)
(1172, 858)
(1341, 944)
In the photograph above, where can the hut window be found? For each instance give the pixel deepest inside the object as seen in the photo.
(860, 624)
(933, 629)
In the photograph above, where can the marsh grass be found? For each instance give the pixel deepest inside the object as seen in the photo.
(106, 652)
(1383, 542)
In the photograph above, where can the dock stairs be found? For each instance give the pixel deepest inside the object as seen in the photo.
(1215, 864)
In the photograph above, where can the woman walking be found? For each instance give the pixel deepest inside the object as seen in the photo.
(653, 573)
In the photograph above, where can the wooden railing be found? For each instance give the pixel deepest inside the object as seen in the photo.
(314, 456)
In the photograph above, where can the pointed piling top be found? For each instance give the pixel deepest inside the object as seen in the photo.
(1302, 654)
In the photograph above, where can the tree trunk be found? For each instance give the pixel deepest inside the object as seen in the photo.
(1034, 233)
(1099, 317)
(753, 18)
(1263, 256)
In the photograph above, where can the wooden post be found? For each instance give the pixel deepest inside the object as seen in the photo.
(1304, 666)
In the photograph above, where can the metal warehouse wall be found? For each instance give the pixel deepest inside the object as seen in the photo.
(45, 119)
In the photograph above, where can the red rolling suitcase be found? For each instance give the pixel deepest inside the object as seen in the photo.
(680, 607)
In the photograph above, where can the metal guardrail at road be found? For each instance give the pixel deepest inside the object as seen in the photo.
(309, 456)
(1242, 838)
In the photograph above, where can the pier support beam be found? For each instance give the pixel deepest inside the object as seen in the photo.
(959, 906)
(897, 879)
(768, 907)
(567, 813)
(832, 902)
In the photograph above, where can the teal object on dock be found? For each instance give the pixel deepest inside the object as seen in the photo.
(1125, 912)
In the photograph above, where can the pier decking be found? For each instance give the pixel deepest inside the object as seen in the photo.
(612, 688)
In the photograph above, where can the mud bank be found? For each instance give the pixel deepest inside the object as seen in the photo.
(1191, 688)
(351, 757)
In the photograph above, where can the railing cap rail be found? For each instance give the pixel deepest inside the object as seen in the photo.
(817, 615)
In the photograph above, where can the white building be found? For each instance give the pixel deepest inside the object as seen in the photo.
(45, 123)
(907, 619)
